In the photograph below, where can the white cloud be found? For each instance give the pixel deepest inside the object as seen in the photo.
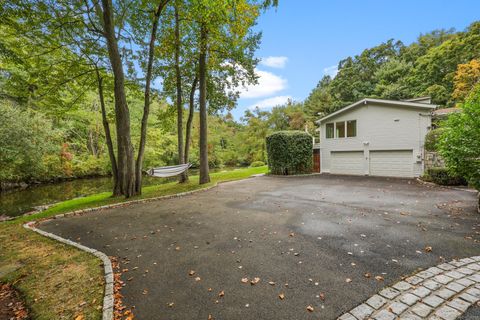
(331, 71)
(271, 102)
(268, 84)
(274, 62)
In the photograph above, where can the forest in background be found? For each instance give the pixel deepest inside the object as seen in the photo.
(52, 129)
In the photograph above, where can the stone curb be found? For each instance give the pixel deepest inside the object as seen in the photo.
(107, 313)
(427, 183)
(108, 298)
(443, 292)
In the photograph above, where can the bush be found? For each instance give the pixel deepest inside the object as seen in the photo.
(432, 138)
(459, 144)
(289, 152)
(442, 177)
(255, 164)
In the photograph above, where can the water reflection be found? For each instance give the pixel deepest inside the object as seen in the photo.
(21, 201)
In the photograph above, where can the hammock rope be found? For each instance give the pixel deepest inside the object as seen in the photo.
(169, 171)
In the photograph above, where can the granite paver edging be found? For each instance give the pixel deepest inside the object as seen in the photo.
(443, 292)
(108, 298)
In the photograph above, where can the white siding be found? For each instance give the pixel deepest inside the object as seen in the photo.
(379, 127)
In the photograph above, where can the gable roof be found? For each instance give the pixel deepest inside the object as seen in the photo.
(381, 101)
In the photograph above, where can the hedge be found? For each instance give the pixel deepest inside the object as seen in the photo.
(289, 152)
(442, 177)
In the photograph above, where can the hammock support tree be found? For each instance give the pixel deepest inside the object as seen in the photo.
(170, 171)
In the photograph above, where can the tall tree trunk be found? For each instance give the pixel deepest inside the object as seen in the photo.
(146, 105)
(108, 136)
(125, 151)
(188, 130)
(181, 160)
(204, 176)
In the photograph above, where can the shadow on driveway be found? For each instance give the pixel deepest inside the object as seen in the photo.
(306, 235)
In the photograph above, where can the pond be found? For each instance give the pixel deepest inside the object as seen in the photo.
(18, 202)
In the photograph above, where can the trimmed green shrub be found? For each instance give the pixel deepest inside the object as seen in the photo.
(289, 152)
(255, 164)
(432, 138)
(442, 177)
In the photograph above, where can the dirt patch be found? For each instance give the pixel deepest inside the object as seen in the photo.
(11, 306)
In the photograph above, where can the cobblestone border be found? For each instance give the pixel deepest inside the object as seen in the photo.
(443, 292)
(108, 299)
(107, 311)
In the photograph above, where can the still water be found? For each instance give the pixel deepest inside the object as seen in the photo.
(17, 202)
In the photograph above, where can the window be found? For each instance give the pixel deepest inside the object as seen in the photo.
(329, 129)
(340, 126)
(352, 128)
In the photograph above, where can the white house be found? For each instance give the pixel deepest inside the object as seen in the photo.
(375, 137)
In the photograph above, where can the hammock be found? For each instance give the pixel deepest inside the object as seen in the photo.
(170, 171)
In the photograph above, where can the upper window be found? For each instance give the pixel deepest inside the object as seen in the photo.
(352, 128)
(340, 129)
(330, 130)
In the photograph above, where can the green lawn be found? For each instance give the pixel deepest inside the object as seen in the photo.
(52, 276)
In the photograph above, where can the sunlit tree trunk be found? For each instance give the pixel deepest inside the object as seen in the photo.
(108, 136)
(178, 76)
(125, 151)
(204, 175)
(188, 129)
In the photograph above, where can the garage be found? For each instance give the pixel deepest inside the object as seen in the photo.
(347, 162)
(391, 163)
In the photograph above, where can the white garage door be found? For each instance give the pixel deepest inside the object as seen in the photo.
(347, 162)
(397, 163)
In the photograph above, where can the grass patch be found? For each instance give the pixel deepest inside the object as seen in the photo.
(61, 282)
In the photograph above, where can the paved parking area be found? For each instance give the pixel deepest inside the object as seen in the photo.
(325, 242)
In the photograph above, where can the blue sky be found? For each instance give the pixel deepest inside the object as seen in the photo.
(307, 38)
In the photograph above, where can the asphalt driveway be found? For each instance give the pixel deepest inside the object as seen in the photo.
(304, 235)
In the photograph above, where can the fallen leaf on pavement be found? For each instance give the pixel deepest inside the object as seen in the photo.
(271, 283)
(221, 293)
(310, 308)
(210, 317)
(348, 280)
(379, 278)
(428, 249)
(191, 273)
(255, 281)
(170, 304)
(367, 275)
(322, 296)
(198, 279)
(244, 280)
(281, 296)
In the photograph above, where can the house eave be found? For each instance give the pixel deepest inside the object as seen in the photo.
(379, 101)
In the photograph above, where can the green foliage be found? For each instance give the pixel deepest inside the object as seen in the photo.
(460, 142)
(289, 152)
(26, 140)
(255, 164)
(443, 177)
(392, 70)
(432, 138)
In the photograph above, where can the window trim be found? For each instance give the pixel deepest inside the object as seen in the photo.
(326, 131)
(345, 128)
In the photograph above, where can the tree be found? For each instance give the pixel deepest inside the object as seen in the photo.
(226, 45)
(98, 32)
(466, 78)
(460, 141)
